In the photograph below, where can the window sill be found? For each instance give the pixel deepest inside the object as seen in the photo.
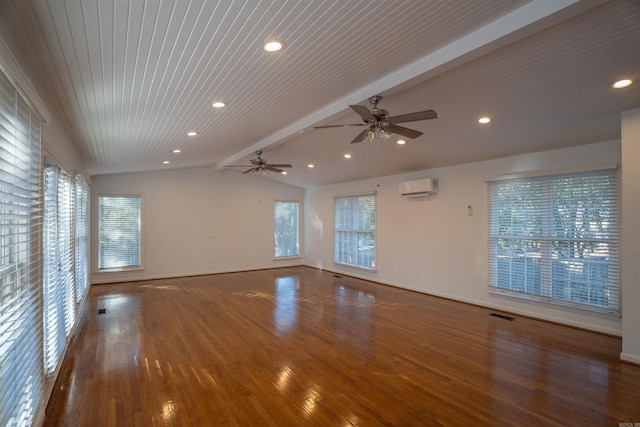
(558, 304)
(280, 258)
(119, 270)
(359, 267)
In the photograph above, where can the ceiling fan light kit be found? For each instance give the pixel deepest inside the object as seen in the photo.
(379, 124)
(259, 166)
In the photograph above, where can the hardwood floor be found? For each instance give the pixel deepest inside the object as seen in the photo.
(297, 347)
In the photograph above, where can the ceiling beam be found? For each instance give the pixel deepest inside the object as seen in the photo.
(516, 25)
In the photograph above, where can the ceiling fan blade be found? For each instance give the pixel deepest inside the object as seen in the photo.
(272, 169)
(361, 137)
(409, 133)
(238, 166)
(414, 117)
(340, 126)
(363, 112)
(281, 165)
(250, 170)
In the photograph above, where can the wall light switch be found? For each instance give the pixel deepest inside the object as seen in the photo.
(470, 210)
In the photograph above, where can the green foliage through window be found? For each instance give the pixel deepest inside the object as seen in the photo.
(555, 238)
(355, 230)
(119, 231)
(286, 229)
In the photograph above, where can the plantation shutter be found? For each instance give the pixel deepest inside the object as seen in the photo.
(21, 347)
(555, 239)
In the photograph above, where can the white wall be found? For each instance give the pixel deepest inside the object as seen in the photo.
(196, 221)
(58, 145)
(431, 244)
(630, 252)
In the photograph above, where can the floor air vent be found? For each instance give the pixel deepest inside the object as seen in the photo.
(102, 310)
(337, 277)
(502, 316)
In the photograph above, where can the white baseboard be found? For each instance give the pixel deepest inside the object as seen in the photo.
(529, 313)
(630, 358)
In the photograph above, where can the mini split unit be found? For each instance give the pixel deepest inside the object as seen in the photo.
(418, 187)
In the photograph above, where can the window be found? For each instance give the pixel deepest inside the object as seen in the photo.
(59, 286)
(286, 229)
(21, 370)
(355, 230)
(555, 239)
(82, 236)
(119, 230)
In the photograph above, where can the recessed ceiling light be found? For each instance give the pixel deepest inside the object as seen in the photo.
(166, 162)
(347, 156)
(192, 133)
(401, 142)
(484, 120)
(311, 165)
(283, 172)
(219, 104)
(273, 45)
(176, 151)
(622, 83)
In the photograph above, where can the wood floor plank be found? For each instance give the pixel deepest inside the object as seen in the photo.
(299, 346)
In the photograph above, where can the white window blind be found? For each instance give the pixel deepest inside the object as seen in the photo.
(119, 230)
(82, 236)
(21, 347)
(355, 230)
(286, 229)
(555, 239)
(59, 286)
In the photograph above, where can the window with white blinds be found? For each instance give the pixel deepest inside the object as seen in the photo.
(355, 230)
(555, 239)
(21, 348)
(119, 231)
(286, 229)
(82, 236)
(59, 286)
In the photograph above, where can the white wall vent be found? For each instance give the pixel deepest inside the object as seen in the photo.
(418, 187)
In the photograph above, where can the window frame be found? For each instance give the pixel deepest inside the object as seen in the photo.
(554, 271)
(22, 385)
(81, 241)
(59, 263)
(275, 240)
(337, 241)
(140, 265)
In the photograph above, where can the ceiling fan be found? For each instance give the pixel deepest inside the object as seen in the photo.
(379, 123)
(259, 166)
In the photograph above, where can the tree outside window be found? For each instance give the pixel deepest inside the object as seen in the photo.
(355, 230)
(119, 229)
(555, 239)
(286, 229)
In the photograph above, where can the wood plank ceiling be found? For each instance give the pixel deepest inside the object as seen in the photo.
(131, 78)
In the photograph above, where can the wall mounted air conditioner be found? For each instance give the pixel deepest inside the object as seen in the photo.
(418, 187)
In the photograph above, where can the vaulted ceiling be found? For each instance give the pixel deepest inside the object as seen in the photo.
(130, 79)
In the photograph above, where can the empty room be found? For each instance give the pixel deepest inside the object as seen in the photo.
(321, 212)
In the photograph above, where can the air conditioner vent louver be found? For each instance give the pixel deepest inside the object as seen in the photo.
(418, 187)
